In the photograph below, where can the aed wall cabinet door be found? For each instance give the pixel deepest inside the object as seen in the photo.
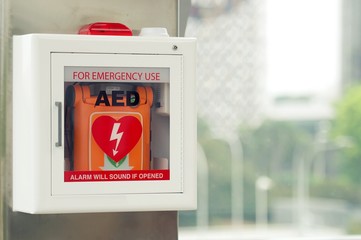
(103, 124)
(107, 127)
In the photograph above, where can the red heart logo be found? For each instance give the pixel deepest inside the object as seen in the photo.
(116, 137)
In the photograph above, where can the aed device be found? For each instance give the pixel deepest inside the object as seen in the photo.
(115, 122)
(103, 123)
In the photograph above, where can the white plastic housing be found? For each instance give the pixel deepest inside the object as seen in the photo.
(41, 64)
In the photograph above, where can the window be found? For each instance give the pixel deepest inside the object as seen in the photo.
(278, 118)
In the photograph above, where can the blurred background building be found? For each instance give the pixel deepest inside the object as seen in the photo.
(231, 52)
(351, 43)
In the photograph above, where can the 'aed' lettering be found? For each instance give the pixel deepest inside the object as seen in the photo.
(102, 98)
(131, 98)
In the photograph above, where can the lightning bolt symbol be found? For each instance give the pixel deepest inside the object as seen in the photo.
(116, 136)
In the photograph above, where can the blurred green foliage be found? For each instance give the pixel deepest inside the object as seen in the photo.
(348, 123)
(273, 149)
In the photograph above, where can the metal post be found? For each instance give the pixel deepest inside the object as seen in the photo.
(66, 17)
(203, 199)
(236, 148)
(5, 129)
(262, 185)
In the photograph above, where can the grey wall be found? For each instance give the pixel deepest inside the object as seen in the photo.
(66, 16)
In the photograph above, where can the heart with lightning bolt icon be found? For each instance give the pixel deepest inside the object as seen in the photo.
(116, 137)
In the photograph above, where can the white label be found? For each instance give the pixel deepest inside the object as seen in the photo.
(116, 74)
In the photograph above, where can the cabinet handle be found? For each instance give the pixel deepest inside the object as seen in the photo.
(60, 124)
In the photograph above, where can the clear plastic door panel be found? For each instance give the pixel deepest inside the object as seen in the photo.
(105, 108)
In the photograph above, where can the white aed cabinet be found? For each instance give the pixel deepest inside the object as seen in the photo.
(103, 123)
